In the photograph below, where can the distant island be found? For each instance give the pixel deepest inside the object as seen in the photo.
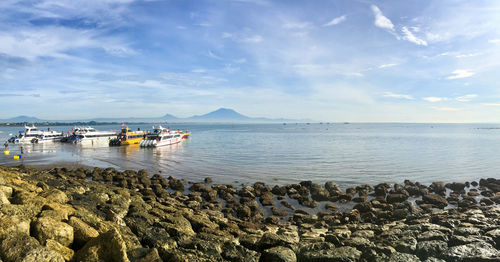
(221, 115)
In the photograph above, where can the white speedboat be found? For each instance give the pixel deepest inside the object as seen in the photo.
(161, 136)
(91, 135)
(34, 135)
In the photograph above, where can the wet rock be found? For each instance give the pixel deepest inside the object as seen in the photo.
(108, 246)
(479, 251)
(277, 212)
(396, 198)
(495, 235)
(406, 244)
(280, 191)
(432, 235)
(281, 238)
(436, 200)
(278, 254)
(459, 187)
(438, 188)
(318, 193)
(176, 184)
(287, 205)
(47, 228)
(243, 211)
(331, 207)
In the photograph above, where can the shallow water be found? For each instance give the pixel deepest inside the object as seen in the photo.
(347, 154)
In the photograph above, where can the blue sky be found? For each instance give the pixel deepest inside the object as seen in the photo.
(374, 61)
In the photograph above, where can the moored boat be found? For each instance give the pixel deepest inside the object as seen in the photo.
(32, 134)
(90, 135)
(160, 136)
(128, 137)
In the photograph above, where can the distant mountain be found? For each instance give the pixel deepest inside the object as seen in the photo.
(221, 114)
(19, 119)
(169, 116)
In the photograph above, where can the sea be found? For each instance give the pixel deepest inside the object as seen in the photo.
(347, 154)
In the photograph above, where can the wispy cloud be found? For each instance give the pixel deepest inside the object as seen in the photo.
(380, 20)
(466, 98)
(433, 99)
(490, 104)
(494, 41)
(447, 108)
(387, 65)
(336, 21)
(400, 96)
(461, 73)
(253, 39)
(409, 36)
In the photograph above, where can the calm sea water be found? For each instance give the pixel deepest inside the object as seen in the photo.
(347, 154)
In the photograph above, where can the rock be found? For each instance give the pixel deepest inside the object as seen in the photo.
(402, 257)
(436, 200)
(243, 211)
(396, 198)
(12, 225)
(318, 193)
(108, 246)
(280, 191)
(82, 231)
(3, 199)
(277, 212)
(270, 240)
(431, 248)
(331, 207)
(55, 195)
(208, 180)
(47, 228)
(479, 251)
(340, 254)
(237, 253)
(144, 255)
(20, 247)
(65, 252)
(495, 234)
(278, 254)
(406, 244)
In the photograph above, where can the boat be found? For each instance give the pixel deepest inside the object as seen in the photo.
(184, 134)
(90, 135)
(160, 136)
(128, 137)
(34, 135)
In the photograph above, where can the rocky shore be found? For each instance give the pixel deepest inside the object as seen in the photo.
(105, 215)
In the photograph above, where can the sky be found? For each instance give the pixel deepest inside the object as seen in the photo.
(359, 61)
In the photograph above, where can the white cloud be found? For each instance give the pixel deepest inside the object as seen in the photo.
(387, 65)
(494, 41)
(336, 21)
(490, 104)
(466, 98)
(212, 55)
(253, 39)
(435, 99)
(467, 55)
(199, 70)
(401, 96)
(409, 36)
(380, 20)
(53, 42)
(447, 108)
(460, 73)
(240, 61)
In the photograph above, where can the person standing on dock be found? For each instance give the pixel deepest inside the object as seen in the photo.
(6, 145)
(22, 150)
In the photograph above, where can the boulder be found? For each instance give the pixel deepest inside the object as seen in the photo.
(402, 257)
(436, 200)
(278, 254)
(82, 231)
(238, 253)
(12, 225)
(430, 248)
(478, 251)
(47, 228)
(65, 252)
(20, 247)
(340, 254)
(108, 246)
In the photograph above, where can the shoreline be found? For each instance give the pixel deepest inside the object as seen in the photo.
(77, 213)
